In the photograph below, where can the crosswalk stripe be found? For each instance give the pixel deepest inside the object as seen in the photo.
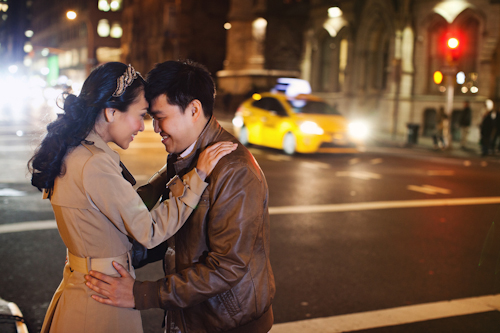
(357, 206)
(391, 317)
(428, 189)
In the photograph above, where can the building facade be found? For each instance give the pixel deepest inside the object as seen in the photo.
(375, 59)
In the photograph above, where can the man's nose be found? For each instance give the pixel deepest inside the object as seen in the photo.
(156, 126)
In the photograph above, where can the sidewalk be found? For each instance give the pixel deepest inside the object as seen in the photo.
(425, 145)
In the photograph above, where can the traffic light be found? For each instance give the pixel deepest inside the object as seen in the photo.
(438, 77)
(453, 47)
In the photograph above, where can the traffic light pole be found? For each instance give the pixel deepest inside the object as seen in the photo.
(449, 72)
(450, 90)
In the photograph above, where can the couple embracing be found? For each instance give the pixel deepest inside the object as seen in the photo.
(205, 213)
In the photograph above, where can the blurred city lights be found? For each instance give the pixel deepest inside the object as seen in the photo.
(334, 12)
(29, 33)
(13, 69)
(464, 90)
(45, 70)
(27, 62)
(460, 77)
(438, 77)
(103, 5)
(28, 47)
(453, 43)
(227, 25)
(19, 133)
(115, 5)
(257, 97)
(103, 28)
(116, 30)
(474, 89)
(45, 52)
(71, 15)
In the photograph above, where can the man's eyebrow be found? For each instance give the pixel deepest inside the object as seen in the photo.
(153, 112)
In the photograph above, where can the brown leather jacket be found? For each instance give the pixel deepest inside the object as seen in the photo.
(219, 277)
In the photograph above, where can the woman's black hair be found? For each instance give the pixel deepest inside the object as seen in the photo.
(79, 118)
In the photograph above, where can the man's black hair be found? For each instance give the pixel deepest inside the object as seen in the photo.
(182, 82)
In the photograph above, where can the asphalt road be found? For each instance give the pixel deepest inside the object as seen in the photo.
(351, 234)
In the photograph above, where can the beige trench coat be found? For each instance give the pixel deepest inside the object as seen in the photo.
(96, 211)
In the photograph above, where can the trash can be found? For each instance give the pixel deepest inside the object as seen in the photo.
(412, 133)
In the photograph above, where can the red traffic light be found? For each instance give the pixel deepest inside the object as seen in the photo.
(453, 43)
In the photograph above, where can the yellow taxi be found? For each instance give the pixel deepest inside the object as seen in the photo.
(303, 123)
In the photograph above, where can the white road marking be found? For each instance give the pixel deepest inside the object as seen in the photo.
(282, 210)
(27, 226)
(358, 174)
(440, 172)
(357, 206)
(376, 161)
(391, 317)
(353, 161)
(9, 192)
(428, 189)
(278, 158)
(316, 165)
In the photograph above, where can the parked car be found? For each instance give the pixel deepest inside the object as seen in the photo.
(303, 123)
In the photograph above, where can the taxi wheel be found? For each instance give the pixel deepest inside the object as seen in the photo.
(289, 144)
(243, 137)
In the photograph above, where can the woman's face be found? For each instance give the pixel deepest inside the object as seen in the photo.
(126, 125)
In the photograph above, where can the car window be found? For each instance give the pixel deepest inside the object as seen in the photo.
(312, 107)
(270, 104)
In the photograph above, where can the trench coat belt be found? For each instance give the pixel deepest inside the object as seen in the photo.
(103, 265)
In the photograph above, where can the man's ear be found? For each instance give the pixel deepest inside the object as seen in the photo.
(109, 115)
(195, 109)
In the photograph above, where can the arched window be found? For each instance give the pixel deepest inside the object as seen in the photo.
(333, 63)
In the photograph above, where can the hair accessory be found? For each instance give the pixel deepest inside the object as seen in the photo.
(125, 80)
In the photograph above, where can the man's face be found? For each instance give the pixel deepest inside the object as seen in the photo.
(176, 128)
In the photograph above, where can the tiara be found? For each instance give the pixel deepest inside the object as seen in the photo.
(125, 80)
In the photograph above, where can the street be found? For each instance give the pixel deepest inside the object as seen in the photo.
(381, 230)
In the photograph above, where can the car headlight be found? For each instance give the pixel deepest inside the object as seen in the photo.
(310, 127)
(238, 121)
(358, 130)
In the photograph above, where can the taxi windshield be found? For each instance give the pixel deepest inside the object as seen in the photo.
(312, 107)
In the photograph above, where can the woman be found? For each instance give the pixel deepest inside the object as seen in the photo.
(96, 208)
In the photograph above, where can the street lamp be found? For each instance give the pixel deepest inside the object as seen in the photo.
(71, 15)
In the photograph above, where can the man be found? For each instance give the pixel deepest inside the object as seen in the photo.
(465, 121)
(218, 273)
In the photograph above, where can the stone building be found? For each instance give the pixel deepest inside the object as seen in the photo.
(375, 59)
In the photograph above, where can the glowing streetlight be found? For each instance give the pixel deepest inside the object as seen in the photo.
(71, 15)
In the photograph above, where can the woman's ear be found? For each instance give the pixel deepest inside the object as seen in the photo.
(109, 115)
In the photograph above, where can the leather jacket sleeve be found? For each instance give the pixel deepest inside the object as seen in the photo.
(235, 219)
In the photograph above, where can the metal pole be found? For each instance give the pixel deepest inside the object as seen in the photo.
(450, 90)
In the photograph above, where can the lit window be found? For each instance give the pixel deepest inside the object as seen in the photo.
(103, 5)
(334, 12)
(103, 28)
(116, 5)
(116, 30)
